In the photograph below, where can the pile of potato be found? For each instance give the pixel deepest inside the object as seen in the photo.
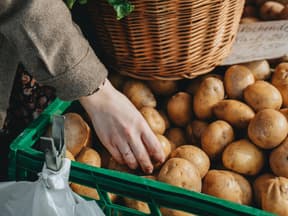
(223, 133)
(264, 10)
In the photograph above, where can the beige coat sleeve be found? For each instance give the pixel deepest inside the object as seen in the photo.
(51, 47)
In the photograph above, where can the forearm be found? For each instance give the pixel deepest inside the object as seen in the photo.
(51, 47)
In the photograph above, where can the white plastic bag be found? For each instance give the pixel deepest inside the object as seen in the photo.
(50, 195)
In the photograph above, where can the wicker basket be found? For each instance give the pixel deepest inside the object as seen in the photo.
(170, 39)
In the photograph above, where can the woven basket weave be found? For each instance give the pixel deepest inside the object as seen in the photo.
(169, 39)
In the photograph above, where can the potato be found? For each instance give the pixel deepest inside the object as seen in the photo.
(246, 20)
(280, 81)
(268, 128)
(278, 159)
(77, 133)
(236, 113)
(243, 157)
(236, 79)
(139, 94)
(173, 212)
(222, 184)
(182, 173)
(69, 155)
(216, 136)
(166, 120)
(176, 136)
(210, 92)
(271, 10)
(85, 191)
(163, 87)
(89, 156)
(113, 165)
(195, 155)
(260, 69)
(137, 204)
(167, 148)
(154, 119)
(284, 13)
(194, 131)
(249, 11)
(246, 189)
(179, 108)
(194, 84)
(275, 197)
(262, 95)
(284, 111)
(260, 185)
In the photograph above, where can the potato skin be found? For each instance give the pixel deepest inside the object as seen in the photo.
(179, 108)
(209, 93)
(260, 69)
(268, 128)
(154, 119)
(176, 136)
(262, 95)
(237, 113)
(259, 185)
(163, 87)
(222, 184)
(139, 94)
(246, 188)
(278, 159)
(236, 79)
(243, 157)
(216, 136)
(182, 173)
(280, 81)
(271, 10)
(195, 155)
(89, 156)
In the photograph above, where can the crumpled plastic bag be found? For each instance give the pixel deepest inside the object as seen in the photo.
(50, 195)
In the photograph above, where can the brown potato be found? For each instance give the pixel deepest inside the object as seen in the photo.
(246, 20)
(182, 173)
(284, 111)
(243, 157)
(167, 148)
(222, 184)
(236, 79)
(194, 131)
(166, 120)
(85, 191)
(195, 155)
(210, 92)
(216, 136)
(154, 119)
(179, 108)
(260, 185)
(173, 212)
(89, 156)
(236, 113)
(262, 95)
(69, 155)
(77, 133)
(260, 69)
(249, 11)
(113, 165)
(268, 128)
(246, 188)
(284, 13)
(278, 159)
(271, 10)
(137, 204)
(194, 84)
(280, 81)
(275, 197)
(139, 94)
(176, 136)
(163, 87)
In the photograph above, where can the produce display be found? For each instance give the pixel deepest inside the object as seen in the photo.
(225, 142)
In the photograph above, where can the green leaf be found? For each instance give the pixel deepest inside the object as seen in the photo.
(122, 7)
(70, 3)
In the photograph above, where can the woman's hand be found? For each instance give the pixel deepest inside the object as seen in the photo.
(122, 129)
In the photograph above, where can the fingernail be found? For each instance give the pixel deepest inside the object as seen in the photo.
(149, 170)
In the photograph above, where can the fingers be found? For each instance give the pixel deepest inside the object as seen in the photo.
(127, 155)
(114, 151)
(153, 145)
(141, 154)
